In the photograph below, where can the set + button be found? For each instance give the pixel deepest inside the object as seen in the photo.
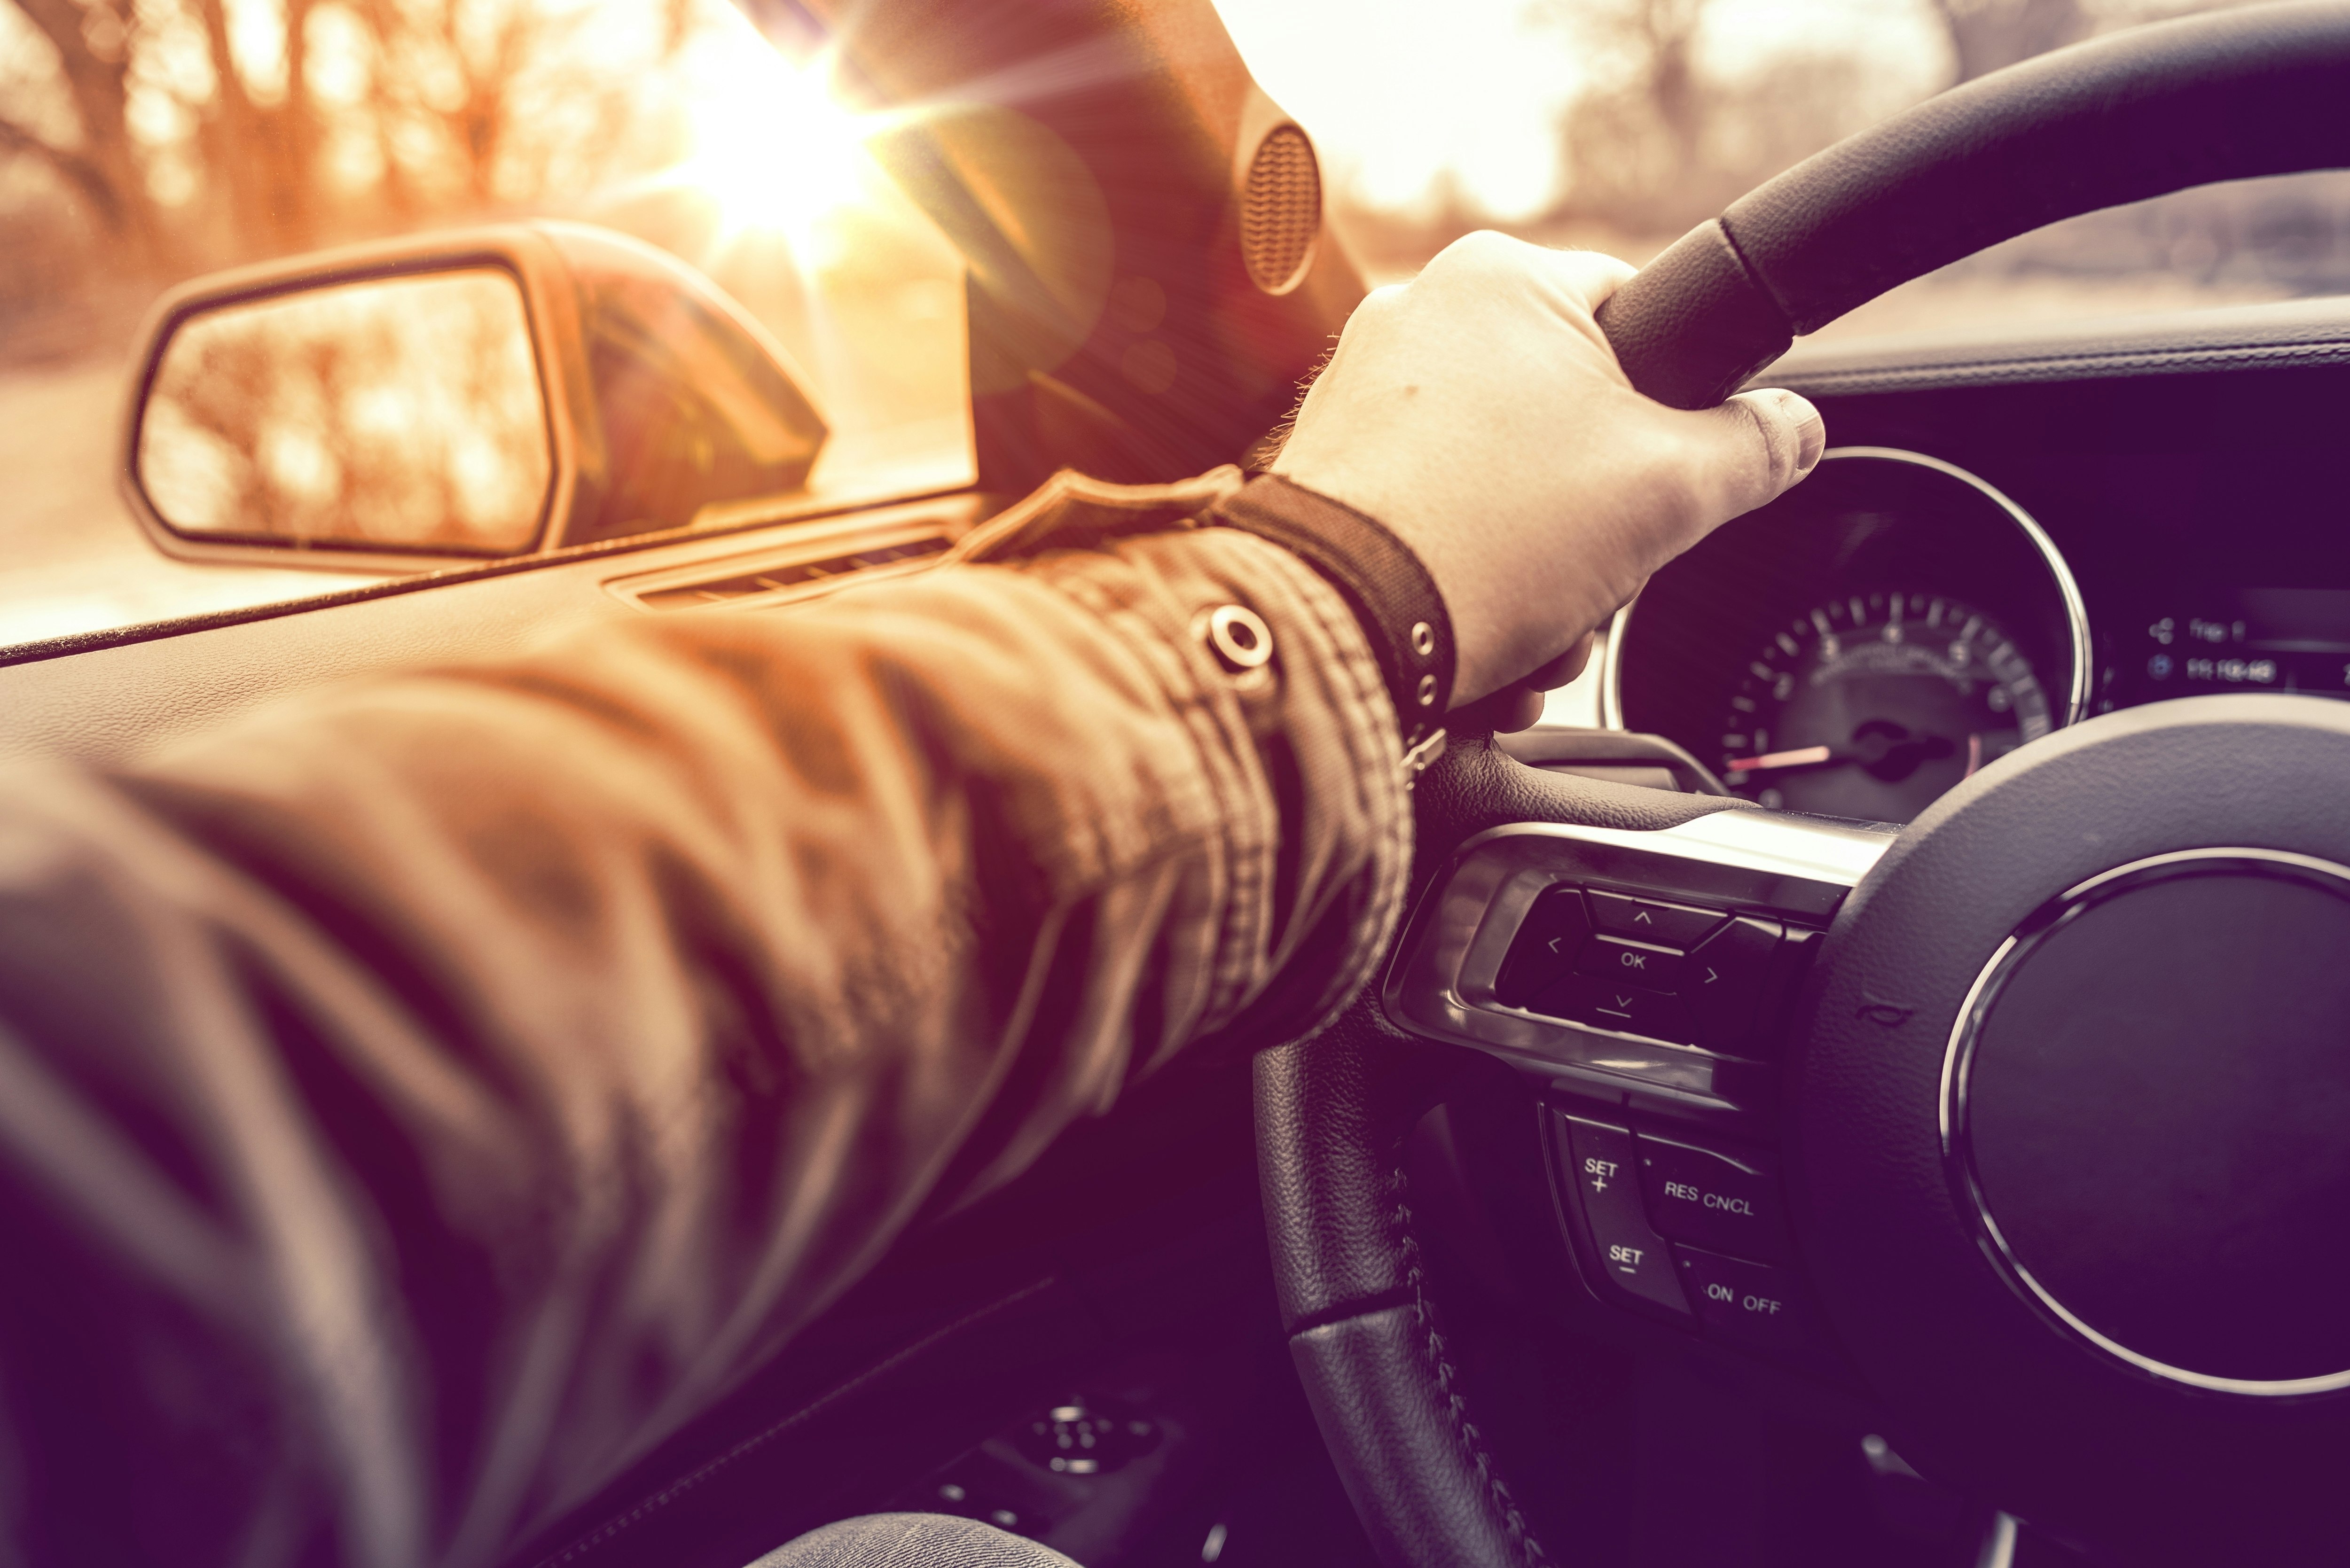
(1601, 1166)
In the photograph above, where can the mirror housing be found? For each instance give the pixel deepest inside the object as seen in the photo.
(659, 395)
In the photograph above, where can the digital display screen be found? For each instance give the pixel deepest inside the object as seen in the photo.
(2241, 639)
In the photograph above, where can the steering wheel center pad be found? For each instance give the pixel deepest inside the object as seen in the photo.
(2007, 1041)
(2149, 110)
(2146, 1108)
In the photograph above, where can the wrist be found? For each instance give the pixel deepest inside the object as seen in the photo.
(1390, 589)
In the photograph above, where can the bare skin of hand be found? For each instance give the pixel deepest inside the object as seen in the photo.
(1479, 413)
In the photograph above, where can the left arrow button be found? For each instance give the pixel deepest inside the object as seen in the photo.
(1556, 928)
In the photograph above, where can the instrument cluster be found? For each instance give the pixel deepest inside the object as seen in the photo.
(1883, 632)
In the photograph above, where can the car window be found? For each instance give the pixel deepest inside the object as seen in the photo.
(146, 142)
(1620, 124)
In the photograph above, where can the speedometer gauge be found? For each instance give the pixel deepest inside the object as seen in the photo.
(1871, 705)
(1884, 631)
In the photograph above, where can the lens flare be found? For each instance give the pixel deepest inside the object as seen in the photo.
(772, 146)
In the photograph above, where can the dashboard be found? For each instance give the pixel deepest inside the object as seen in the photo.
(2005, 538)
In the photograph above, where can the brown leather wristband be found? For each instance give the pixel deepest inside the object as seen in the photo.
(1389, 591)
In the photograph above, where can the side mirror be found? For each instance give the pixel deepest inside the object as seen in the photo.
(453, 399)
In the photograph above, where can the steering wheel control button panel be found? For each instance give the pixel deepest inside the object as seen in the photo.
(1697, 978)
(1675, 925)
(1546, 948)
(1661, 1101)
(1753, 1305)
(1713, 1197)
(1654, 964)
(1602, 1168)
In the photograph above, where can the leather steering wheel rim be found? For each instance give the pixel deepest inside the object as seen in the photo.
(2229, 96)
(2160, 108)
(1332, 1115)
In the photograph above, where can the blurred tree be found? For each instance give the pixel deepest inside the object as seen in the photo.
(190, 134)
(1670, 129)
(1635, 138)
(1669, 132)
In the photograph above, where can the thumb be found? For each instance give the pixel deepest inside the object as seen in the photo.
(1761, 444)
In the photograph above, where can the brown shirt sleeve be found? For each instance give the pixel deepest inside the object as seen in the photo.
(417, 1100)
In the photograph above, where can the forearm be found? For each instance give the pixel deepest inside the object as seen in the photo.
(466, 1076)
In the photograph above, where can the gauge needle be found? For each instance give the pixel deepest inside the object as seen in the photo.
(1878, 746)
(1809, 757)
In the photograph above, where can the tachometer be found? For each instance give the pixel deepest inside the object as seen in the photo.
(1871, 705)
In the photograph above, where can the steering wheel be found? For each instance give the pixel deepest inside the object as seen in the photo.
(2063, 1112)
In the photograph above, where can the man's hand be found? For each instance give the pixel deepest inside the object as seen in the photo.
(1479, 413)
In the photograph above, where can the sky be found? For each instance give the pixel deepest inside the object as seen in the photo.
(1397, 93)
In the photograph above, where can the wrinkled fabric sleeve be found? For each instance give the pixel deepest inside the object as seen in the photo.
(417, 1101)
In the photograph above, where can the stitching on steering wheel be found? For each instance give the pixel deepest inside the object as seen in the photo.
(1527, 1550)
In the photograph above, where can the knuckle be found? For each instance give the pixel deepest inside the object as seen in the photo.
(1483, 250)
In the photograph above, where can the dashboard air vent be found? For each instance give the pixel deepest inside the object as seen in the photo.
(778, 578)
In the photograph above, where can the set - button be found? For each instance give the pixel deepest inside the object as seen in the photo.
(1642, 966)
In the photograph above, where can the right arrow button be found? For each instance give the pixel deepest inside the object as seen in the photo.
(1723, 979)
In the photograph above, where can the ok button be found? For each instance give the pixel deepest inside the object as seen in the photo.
(1632, 963)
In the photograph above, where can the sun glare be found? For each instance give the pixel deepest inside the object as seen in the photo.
(772, 145)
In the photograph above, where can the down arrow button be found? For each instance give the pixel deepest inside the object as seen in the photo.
(1722, 980)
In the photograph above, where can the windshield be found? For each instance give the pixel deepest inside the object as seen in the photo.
(143, 143)
(1620, 124)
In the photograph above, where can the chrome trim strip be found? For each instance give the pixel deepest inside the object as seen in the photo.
(1998, 1541)
(1611, 676)
(1957, 1065)
(2077, 610)
(1441, 984)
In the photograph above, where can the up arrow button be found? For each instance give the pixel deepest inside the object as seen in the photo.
(1669, 925)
